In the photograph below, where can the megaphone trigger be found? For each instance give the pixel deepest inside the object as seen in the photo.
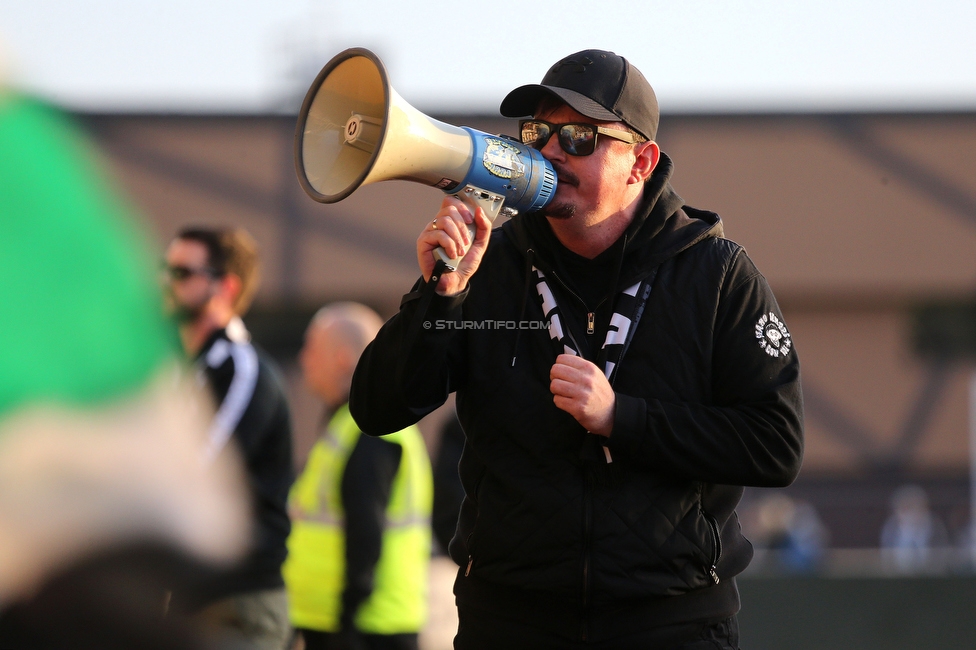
(474, 198)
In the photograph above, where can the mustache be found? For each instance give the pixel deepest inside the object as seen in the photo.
(563, 175)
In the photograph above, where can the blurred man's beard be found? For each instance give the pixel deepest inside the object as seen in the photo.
(182, 314)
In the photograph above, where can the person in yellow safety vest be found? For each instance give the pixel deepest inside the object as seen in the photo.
(359, 550)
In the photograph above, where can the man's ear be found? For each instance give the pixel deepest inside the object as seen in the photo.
(646, 156)
(231, 287)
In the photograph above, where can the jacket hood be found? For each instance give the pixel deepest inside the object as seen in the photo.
(662, 227)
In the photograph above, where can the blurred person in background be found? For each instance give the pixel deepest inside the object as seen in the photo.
(357, 569)
(212, 276)
(103, 499)
(913, 535)
(792, 531)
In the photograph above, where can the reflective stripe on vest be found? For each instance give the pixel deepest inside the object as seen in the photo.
(315, 569)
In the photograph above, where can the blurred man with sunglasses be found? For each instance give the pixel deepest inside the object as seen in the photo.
(211, 278)
(646, 377)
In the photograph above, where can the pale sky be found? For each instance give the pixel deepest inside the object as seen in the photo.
(700, 56)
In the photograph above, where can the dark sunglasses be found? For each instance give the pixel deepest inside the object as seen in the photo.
(180, 273)
(575, 138)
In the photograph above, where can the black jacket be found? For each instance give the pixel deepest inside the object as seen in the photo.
(252, 415)
(703, 408)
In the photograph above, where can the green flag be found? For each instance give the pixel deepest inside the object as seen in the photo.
(80, 316)
(101, 435)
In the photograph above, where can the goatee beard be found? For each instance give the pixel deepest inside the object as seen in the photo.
(184, 314)
(560, 211)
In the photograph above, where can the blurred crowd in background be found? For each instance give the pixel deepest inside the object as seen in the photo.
(791, 537)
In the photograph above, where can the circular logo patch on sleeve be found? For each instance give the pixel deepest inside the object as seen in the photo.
(773, 336)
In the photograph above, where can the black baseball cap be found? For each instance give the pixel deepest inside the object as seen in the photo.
(598, 84)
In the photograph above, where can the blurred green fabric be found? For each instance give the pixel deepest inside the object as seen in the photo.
(80, 310)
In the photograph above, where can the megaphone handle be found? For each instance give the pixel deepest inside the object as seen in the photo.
(473, 197)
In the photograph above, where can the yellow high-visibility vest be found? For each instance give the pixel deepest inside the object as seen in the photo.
(315, 569)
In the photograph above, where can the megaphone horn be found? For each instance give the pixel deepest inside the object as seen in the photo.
(354, 129)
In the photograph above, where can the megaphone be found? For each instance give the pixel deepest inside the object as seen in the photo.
(354, 129)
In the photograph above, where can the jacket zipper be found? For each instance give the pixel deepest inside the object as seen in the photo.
(587, 525)
(467, 543)
(717, 537)
(587, 517)
(590, 315)
(467, 540)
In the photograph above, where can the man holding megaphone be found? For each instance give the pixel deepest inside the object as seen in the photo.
(621, 371)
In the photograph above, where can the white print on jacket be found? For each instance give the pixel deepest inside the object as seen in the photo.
(773, 336)
(239, 393)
